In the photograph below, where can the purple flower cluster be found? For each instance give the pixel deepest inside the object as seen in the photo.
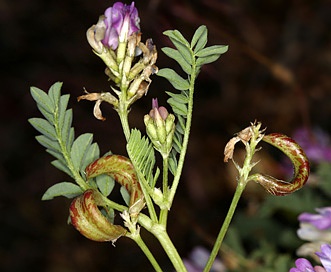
(315, 228)
(121, 22)
(303, 265)
(321, 221)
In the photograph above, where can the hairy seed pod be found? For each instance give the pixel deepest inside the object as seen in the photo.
(86, 217)
(300, 165)
(121, 169)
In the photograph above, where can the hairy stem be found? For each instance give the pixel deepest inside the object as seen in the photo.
(147, 253)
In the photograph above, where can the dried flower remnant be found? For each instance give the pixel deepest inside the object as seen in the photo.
(245, 135)
(99, 97)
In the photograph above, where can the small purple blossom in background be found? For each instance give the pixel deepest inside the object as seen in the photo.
(198, 259)
(121, 22)
(316, 144)
(321, 221)
(303, 265)
(325, 256)
(315, 228)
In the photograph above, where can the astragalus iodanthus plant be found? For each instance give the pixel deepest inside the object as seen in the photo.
(148, 190)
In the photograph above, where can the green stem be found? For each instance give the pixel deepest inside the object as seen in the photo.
(165, 174)
(123, 114)
(225, 226)
(113, 205)
(164, 211)
(186, 137)
(146, 191)
(243, 180)
(161, 234)
(147, 253)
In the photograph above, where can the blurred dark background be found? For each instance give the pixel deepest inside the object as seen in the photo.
(277, 71)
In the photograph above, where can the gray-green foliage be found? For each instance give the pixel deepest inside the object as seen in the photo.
(58, 137)
(190, 56)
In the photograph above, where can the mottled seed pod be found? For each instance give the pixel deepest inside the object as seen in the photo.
(86, 217)
(121, 169)
(300, 165)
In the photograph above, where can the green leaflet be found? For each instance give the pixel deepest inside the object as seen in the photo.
(212, 50)
(176, 80)
(199, 39)
(125, 195)
(177, 56)
(58, 137)
(105, 184)
(177, 36)
(66, 189)
(79, 149)
(191, 56)
(44, 127)
(141, 153)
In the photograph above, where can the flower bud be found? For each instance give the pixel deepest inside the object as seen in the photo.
(86, 217)
(160, 128)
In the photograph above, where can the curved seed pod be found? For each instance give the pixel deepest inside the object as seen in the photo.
(86, 217)
(121, 169)
(299, 160)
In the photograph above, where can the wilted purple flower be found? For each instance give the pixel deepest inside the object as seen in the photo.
(321, 221)
(325, 256)
(121, 22)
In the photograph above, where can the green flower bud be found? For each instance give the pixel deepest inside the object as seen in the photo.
(160, 128)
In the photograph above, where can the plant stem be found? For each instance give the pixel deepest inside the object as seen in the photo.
(243, 179)
(123, 114)
(147, 252)
(161, 234)
(164, 211)
(186, 137)
(240, 188)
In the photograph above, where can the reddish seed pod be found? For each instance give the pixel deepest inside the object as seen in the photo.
(121, 169)
(86, 217)
(300, 166)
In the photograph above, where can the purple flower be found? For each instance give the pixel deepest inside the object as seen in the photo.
(325, 256)
(121, 22)
(303, 265)
(315, 143)
(321, 221)
(198, 258)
